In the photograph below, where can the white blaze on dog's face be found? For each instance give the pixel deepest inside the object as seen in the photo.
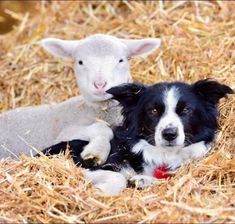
(169, 131)
(101, 61)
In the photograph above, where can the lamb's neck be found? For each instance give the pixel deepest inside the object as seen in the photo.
(101, 105)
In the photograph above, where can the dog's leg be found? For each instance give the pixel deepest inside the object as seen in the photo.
(188, 153)
(196, 150)
(142, 181)
(109, 182)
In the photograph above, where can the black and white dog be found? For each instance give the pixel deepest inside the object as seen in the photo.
(165, 124)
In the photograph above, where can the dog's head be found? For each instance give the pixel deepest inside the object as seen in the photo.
(171, 115)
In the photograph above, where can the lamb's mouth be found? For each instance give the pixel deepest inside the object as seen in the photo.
(102, 96)
(100, 93)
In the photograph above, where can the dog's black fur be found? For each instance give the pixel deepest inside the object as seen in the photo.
(196, 107)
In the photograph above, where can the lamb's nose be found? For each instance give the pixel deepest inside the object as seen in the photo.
(170, 134)
(100, 84)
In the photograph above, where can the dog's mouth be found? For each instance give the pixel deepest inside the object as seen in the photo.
(187, 142)
(172, 145)
(165, 144)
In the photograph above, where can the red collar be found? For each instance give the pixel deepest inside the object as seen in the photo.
(161, 172)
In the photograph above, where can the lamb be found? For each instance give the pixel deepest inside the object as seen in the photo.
(101, 62)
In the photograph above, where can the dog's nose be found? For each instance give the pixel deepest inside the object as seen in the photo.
(170, 134)
(100, 84)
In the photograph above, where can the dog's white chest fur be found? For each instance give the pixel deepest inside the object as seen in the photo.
(172, 158)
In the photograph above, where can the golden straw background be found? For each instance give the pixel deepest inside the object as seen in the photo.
(198, 41)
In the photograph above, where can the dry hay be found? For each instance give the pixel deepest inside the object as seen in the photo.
(198, 41)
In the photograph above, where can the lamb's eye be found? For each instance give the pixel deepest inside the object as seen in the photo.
(121, 60)
(154, 111)
(80, 62)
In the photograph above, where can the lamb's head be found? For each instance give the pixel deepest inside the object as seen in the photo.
(101, 61)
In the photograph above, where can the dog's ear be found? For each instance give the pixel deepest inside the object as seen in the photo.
(211, 90)
(127, 94)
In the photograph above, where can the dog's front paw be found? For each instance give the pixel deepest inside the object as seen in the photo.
(141, 181)
(108, 182)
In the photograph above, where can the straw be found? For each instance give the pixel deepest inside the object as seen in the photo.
(198, 41)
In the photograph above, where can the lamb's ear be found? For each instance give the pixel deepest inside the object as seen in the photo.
(60, 48)
(127, 94)
(211, 90)
(142, 47)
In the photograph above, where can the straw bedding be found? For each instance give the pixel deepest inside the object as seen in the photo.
(198, 41)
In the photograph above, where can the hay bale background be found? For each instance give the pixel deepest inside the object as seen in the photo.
(198, 41)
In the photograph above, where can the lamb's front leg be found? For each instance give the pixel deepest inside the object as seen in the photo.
(99, 136)
(99, 146)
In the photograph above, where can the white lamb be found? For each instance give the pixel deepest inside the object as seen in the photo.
(101, 62)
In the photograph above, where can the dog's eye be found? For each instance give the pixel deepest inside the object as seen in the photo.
(80, 62)
(121, 60)
(154, 111)
(186, 110)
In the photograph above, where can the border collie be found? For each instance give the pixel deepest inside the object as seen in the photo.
(165, 125)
